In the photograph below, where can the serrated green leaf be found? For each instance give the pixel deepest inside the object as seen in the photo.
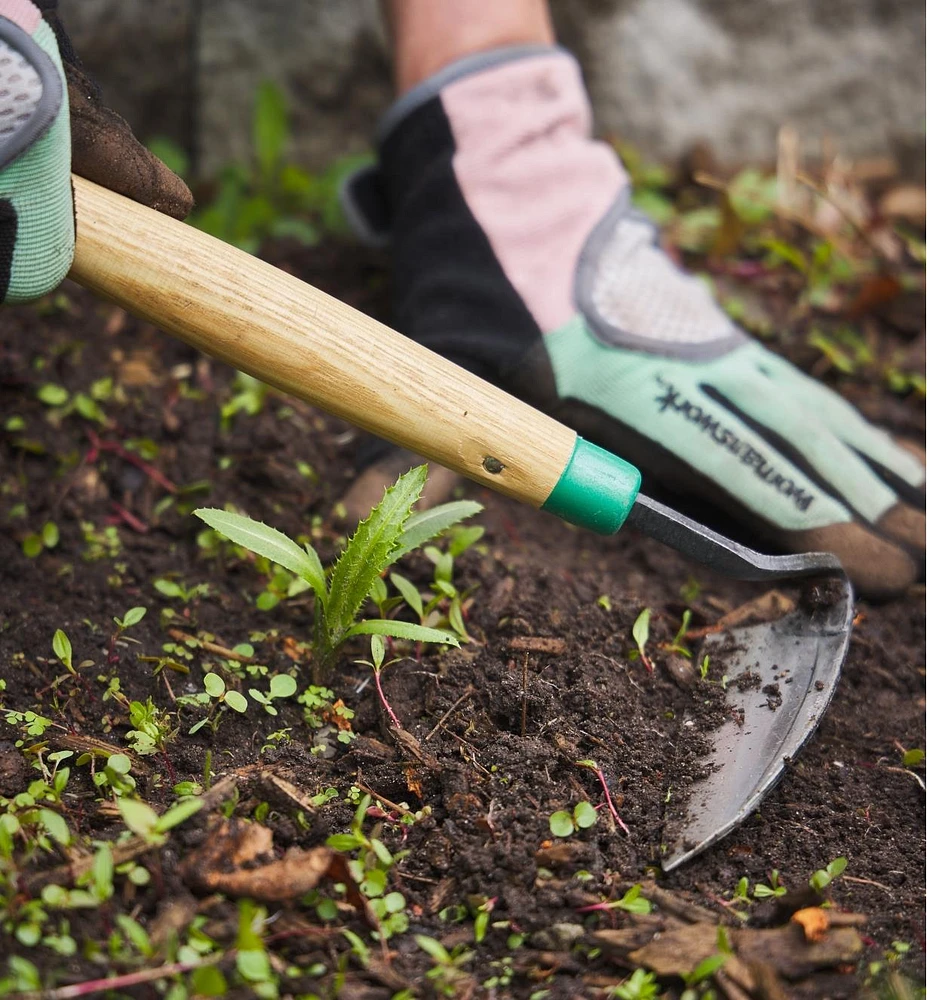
(370, 551)
(401, 630)
(409, 593)
(424, 525)
(265, 541)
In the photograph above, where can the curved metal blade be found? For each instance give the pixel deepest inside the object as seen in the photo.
(797, 659)
(717, 552)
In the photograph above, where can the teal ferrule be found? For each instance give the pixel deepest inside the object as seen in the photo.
(596, 490)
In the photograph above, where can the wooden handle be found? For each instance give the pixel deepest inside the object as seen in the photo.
(300, 340)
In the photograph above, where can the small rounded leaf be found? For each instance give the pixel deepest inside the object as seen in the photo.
(214, 685)
(584, 815)
(133, 616)
(119, 763)
(237, 701)
(561, 824)
(282, 686)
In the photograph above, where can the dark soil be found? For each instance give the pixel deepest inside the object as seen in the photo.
(498, 728)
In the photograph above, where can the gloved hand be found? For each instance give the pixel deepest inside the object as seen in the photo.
(39, 73)
(518, 255)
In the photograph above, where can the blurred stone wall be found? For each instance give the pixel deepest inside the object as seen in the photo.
(663, 74)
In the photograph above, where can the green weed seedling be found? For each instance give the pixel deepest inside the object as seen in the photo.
(565, 824)
(218, 697)
(152, 728)
(376, 664)
(448, 973)
(631, 902)
(144, 822)
(281, 686)
(640, 633)
(823, 877)
(177, 591)
(61, 645)
(773, 890)
(390, 532)
(370, 869)
(640, 985)
(35, 543)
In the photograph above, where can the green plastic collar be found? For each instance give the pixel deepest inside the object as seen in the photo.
(596, 489)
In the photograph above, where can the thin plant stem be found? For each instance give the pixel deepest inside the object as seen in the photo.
(386, 704)
(91, 986)
(609, 803)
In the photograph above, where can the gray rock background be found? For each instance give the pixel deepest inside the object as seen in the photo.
(663, 74)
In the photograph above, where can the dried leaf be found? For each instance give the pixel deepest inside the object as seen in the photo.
(230, 861)
(537, 644)
(814, 922)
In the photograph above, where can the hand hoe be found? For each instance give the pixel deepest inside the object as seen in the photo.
(300, 340)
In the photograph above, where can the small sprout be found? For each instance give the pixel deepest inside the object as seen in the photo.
(640, 985)
(824, 876)
(641, 633)
(605, 602)
(774, 889)
(564, 824)
(631, 902)
(913, 758)
(61, 644)
(281, 686)
(132, 617)
(703, 667)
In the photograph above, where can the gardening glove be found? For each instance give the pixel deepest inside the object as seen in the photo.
(51, 114)
(519, 256)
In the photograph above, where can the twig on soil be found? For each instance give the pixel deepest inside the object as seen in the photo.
(395, 806)
(866, 881)
(468, 693)
(691, 912)
(524, 697)
(910, 774)
(97, 445)
(210, 647)
(91, 986)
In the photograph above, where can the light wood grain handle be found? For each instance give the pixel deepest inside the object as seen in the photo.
(300, 340)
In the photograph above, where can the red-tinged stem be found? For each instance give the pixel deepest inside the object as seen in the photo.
(117, 449)
(608, 800)
(135, 523)
(386, 704)
(91, 986)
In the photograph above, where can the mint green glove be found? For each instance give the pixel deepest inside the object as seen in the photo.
(50, 114)
(36, 217)
(518, 254)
